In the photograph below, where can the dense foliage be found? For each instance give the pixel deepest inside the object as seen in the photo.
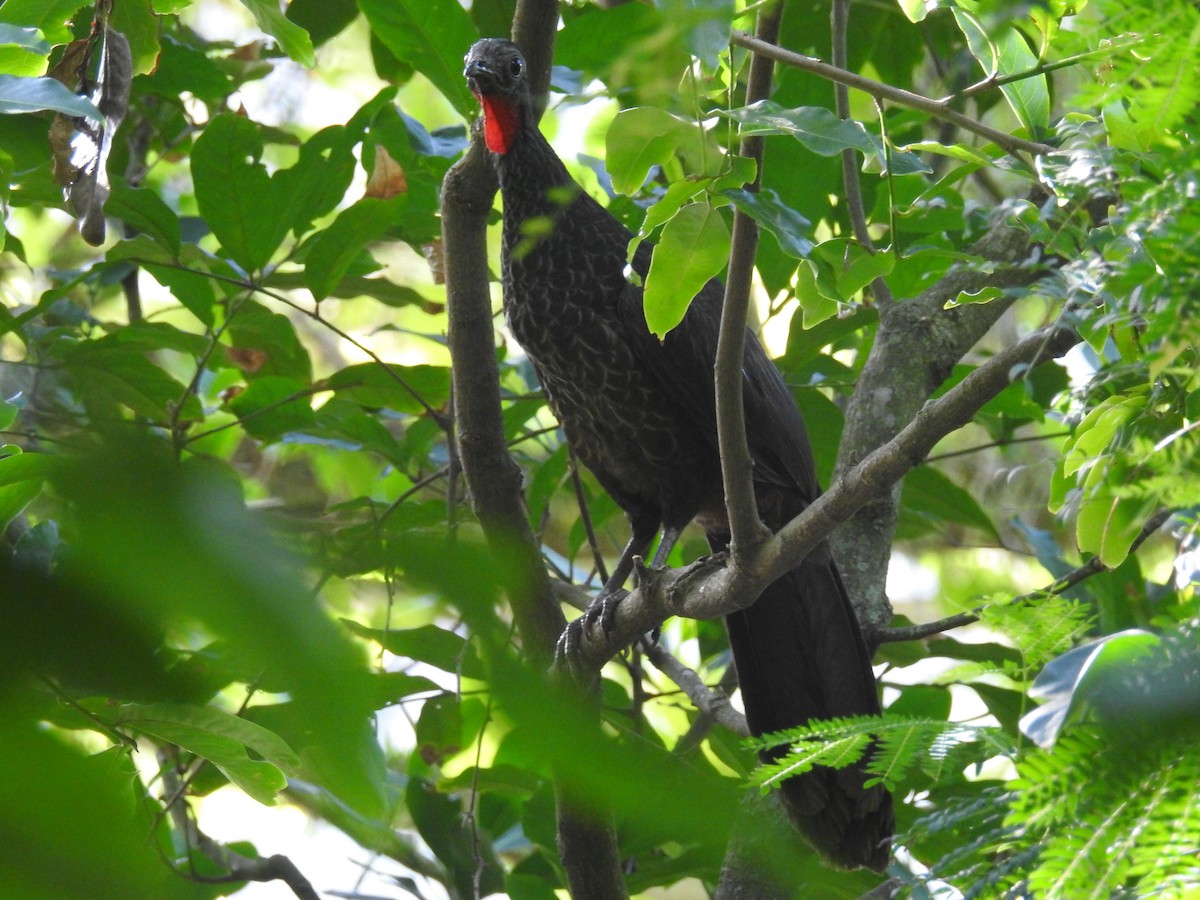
(236, 538)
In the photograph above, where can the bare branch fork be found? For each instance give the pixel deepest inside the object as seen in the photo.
(714, 587)
(238, 867)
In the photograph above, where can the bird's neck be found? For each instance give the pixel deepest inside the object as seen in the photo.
(501, 121)
(528, 168)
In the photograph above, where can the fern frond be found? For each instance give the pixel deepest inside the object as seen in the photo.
(805, 755)
(1040, 628)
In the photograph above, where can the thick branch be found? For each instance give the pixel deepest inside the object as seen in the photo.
(878, 89)
(916, 346)
(492, 477)
(587, 843)
(714, 587)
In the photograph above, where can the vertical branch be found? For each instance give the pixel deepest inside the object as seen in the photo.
(492, 477)
(587, 841)
(840, 23)
(736, 465)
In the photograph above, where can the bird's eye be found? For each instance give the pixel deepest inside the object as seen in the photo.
(515, 66)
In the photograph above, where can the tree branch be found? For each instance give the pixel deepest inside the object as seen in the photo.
(587, 841)
(935, 108)
(737, 466)
(238, 867)
(915, 347)
(714, 586)
(1081, 573)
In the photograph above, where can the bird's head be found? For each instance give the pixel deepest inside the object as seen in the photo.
(495, 72)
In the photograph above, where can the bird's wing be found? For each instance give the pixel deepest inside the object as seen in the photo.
(683, 365)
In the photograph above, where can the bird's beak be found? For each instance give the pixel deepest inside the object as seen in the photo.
(475, 68)
(479, 76)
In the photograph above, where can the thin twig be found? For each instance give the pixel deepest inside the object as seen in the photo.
(1043, 68)
(237, 866)
(1093, 566)
(937, 457)
(585, 516)
(935, 108)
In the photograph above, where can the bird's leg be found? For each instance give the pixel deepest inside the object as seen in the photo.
(604, 607)
(670, 537)
(666, 544)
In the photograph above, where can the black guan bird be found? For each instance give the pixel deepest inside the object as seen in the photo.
(641, 415)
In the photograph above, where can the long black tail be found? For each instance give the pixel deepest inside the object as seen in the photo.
(800, 655)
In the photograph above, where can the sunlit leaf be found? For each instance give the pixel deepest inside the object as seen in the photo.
(693, 249)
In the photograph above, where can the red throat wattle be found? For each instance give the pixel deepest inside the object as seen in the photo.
(500, 121)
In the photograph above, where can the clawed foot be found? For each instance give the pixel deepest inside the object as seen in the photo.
(603, 610)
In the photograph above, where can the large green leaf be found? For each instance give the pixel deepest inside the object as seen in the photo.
(251, 212)
(432, 36)
(234, 191)
(293, 39)
(28, 95)
(222, 739)
(694, 248)
(815, 127)
(336, 248)
(643, 137)
(47, 15)
(1002, 51)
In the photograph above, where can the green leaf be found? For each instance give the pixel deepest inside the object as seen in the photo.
(272, 337)
(104, 374)
(21, 477)
(136, 20)
(983, 295)
(643, 137)
(29, 95)
(430, 35)
(705, 26)
(396, 387)
(55, 791)
(173, 545)
(47, 15)
(293, 40)
(844, 267)
(272, 406)
(961, 152)
(145, 210)
(438, 647)
(193, 289)
(322, 19)
(234, 191)
(693, 249)
(815, 127)
(439, 729)
(1108, 522)
(788, 227)
(23, 51)
(222, 739)
(932, 496)
(1002, 51)
(336, 248)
